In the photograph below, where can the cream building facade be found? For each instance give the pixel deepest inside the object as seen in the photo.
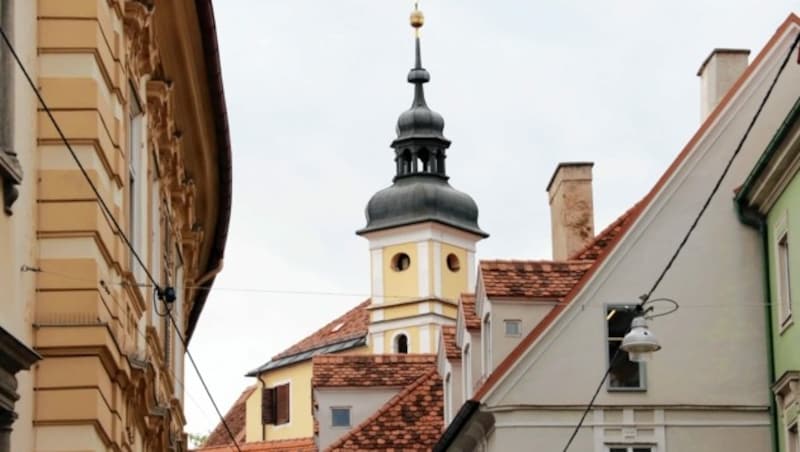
(135, 87)
(708, 388)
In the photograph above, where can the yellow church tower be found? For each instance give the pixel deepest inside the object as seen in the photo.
(421, 231)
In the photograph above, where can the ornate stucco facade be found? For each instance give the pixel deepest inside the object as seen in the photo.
(136, 90)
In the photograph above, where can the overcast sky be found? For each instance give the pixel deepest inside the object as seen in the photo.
(314, 89)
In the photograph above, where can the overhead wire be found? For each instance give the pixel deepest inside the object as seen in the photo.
(107, 212)
(693, 226)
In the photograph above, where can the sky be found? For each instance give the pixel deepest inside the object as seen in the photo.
(314, 89)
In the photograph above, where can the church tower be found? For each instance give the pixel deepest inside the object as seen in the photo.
(422, 233)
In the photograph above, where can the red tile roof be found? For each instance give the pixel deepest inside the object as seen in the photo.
(370, 370)
(632, 215)
(235, 418)
(411, 420)
(353, 324)
(531, 279)
(471, 320)
(596, 246)
(449, 339)
(284, 445)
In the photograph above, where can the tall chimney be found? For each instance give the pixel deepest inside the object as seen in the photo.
(718, 73)
(571, 208)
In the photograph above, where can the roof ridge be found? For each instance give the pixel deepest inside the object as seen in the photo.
(534, 261)
(635, 211)
(384, 409)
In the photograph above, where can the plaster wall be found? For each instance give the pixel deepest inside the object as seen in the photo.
(363, 402)
(714, 347)
(18, 231)
(528, 312)
(301, 422)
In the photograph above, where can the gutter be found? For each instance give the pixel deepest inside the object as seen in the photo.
(755, 220)
(208, 35)
(462, 417)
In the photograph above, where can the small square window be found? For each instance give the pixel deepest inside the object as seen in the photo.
(513, 327)
(340, 417)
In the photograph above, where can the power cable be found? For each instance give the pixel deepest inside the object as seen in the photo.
(693, 226)
(110, 216)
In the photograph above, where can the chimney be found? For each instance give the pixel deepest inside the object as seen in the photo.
(571, 209)
(717, 74)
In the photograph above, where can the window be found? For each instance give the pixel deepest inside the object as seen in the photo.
(135, 144)
(486, 340)
(452, 263)
(784, 287)
(630, 449)
(401, 344)
(513, 327)
(401, 262)
(624, 373)
(275, 405)
(467, 371)
(340, 417)
(448, 398)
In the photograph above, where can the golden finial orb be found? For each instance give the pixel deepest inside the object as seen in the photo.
(417, 18)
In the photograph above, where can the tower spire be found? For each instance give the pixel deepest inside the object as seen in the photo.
(420, 191)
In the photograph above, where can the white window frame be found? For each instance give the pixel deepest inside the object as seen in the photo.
(783, 273)
(135, 179)
(630, 447)
(448, 398)
(466, 359)
(396, 336)
(607, 339)
(517, 322)
(486, 344)
(349, 416)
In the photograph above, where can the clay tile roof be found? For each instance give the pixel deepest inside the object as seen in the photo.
(449, 339)
(353, 324)
(531, 279)
(411, 420)
(370, 370)
(471, 320)
(235, 418)
(284, 445)
(594, 248)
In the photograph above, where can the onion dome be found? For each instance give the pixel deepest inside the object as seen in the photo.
(420, 191)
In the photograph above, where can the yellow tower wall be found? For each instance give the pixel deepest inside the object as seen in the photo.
(400, 285)
(454, 283)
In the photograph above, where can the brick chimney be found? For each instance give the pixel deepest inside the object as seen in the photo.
(571, 208)
(718, 73)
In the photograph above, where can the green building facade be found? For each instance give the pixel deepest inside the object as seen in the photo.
(769, 200)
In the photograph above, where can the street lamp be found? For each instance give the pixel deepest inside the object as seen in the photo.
(640, 342)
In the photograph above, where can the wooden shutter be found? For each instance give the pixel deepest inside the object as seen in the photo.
(268, 406)
(282, 404)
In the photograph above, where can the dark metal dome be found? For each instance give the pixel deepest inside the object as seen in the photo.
(420, 198)
(420, 191)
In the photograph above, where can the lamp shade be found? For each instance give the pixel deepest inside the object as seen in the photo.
(640, 343)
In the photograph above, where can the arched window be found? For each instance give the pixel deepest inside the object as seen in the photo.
(424, 160)
(401, 344)
(405, 162)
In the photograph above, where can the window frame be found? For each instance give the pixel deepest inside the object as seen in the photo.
(642, 366)
(517, 322)
(396, 345)
(783, 272)
(792, 437)
(136, 118)
(349, 416)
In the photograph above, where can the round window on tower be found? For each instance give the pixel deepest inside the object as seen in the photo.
(452, 263)
(400, 262)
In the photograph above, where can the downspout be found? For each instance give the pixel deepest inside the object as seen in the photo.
(755, 220)
(263, 427)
